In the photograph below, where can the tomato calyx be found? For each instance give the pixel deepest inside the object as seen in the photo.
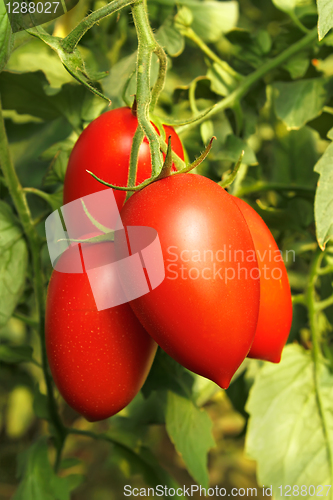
(165, 172)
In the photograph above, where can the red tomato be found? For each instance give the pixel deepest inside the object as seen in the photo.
(99, 359)
(204, 314)
(275, 312)
(104, 148)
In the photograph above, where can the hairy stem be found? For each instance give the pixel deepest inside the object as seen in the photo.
(133, 165)
(72, 39)
(146, 46)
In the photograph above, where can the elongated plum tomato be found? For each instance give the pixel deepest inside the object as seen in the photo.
(204, 314)
(275, 312)
(104, 148)
(99, 359)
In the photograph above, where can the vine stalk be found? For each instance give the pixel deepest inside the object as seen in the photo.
(313, 312)
(251, 79)
(34, 242)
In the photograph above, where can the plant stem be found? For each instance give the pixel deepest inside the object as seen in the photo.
(146, 46)
(273, 186)
(253, 78)
(159, 85)
(133, 165)
(28, 321)
(72, 39)
(20, 202)
(189, 33)
(323, 304)
(316, 352)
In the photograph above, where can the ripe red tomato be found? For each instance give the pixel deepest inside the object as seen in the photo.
(104, 148)
(204, 314)
(99, 359)
(275, 312)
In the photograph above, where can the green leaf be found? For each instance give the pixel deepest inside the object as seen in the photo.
(286, 433)
(73, 61)
(6, 36)
(293, 157)
(15, 353)
(37, 56)
(298, 102)
(59, 154)
(31, 94)
(38, 480)
(285, 5)
(190, 429)
(324, 198)
(119, 74)
(138, 460)
(13, 262)
(297, 66)
(325, 17)
(233, 148)
(167, 374)
(170, 39)
(296, 8)
(222, 83)
(206, 131)
(211, 18)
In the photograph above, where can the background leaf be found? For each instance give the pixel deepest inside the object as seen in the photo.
(13, 262)
(190, 430)
(325, 17)
(324, 198)
(298, 102)
(15, 354)
(285, 430)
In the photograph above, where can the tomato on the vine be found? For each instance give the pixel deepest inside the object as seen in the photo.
(104, 148)
(275, 312)
(204, 314)
(99, 359)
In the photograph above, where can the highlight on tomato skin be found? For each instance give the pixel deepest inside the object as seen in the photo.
(204, 318)
(275, 311)
(104, 148)
(99, 359)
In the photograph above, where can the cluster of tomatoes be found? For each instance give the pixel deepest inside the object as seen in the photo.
(225, 295)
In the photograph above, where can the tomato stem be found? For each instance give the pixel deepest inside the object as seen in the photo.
(70, 42)
(146, 46)
(133, 164)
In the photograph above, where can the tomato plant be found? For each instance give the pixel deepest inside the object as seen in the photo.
(275, 311)
(99, 359)
(255, 75)
(194, 315)
(104, 148)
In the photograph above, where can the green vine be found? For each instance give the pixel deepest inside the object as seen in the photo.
(35, 244)
(313, 310)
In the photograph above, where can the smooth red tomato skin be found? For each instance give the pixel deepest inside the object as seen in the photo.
(104, 148)
(99, 359)
(275, 312)
(204, 324)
